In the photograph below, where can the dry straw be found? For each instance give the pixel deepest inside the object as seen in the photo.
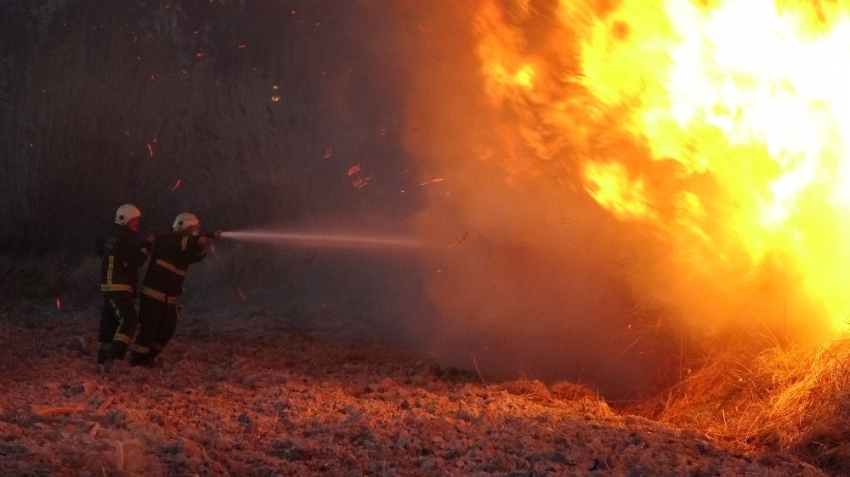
(784, 398)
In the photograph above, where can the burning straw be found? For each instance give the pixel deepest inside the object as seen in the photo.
(782, 399)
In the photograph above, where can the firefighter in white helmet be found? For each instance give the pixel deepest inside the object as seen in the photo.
(171, 255)
(122, 258)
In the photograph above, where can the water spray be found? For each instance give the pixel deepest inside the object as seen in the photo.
(317, 239)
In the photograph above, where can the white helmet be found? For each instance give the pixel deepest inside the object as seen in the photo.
(184, 221)
(126, 213)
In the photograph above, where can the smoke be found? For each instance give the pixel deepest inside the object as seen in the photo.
(532, 277)
(535, 277)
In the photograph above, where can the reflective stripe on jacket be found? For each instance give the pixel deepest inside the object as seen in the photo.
(171, 255)
(121, 259)
(171, 300)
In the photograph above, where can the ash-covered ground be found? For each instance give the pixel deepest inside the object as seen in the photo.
(240, 393)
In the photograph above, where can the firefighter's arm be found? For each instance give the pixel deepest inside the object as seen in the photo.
(197, 248)
(147, 246)
(141, 252)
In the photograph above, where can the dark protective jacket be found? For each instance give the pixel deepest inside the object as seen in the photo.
(121, 259)
(171, 255)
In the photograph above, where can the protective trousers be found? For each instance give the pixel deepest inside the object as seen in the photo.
(118, 322)
(157, 322)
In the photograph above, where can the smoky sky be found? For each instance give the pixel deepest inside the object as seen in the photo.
(245, 113)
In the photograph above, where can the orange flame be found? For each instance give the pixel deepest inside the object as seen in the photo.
(723, 126)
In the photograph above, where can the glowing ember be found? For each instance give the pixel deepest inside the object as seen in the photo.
(357, 180)
(721, 127)
(432, 181)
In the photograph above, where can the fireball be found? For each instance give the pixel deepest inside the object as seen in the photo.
(718, 127)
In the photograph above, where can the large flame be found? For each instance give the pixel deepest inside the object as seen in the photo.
(720, 127)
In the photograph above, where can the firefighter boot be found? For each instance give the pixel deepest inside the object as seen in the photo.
(117, 351)
(139, 359)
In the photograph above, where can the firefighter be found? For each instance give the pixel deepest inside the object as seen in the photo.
(171, 255)
(122, 258)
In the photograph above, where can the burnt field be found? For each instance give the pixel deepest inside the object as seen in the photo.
(306, 399)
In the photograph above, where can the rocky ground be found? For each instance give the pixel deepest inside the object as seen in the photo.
(227, 399)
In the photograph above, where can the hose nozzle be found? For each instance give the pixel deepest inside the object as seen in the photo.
(212, 235)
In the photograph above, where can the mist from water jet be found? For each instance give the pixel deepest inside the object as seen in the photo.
(313, 239)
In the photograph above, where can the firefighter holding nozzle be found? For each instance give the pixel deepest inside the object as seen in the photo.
(122, 258)
(171, 254)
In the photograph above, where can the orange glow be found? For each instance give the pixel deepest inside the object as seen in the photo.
(735, 115)
(462, 240)
(175, 185)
